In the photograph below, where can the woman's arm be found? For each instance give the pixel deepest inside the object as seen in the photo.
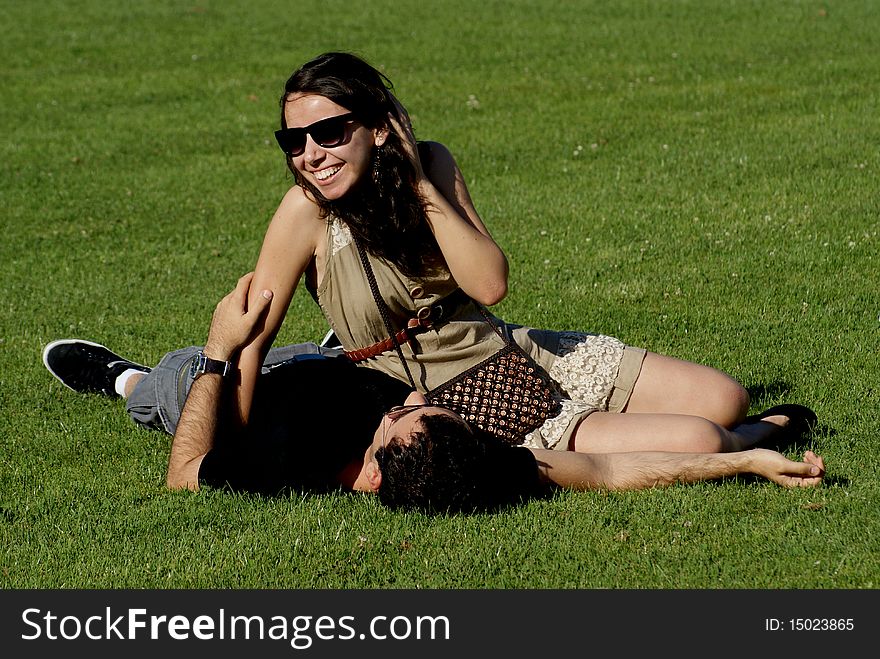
(290, 244)
(644, 469)
(475, 260)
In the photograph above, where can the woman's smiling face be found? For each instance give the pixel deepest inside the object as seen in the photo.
(334, 171)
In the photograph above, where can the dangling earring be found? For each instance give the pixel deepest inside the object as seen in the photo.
(376, 172)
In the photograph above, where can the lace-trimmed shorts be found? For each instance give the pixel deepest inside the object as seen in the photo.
(596, 373)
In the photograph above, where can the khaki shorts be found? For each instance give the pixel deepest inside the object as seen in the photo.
(595, 373)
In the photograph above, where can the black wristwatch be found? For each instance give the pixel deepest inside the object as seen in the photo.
(202, 364)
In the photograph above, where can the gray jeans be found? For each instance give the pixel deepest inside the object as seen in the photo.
(157, 400)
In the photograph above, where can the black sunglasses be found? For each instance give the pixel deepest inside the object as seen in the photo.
(327, 133)
(398, 412)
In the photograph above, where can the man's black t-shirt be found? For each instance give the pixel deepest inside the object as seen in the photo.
(311, 417)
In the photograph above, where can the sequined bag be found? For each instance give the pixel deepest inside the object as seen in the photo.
(508, 394)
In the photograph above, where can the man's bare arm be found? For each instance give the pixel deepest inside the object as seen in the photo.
(232, 328)
(196, 432)
(646, 469)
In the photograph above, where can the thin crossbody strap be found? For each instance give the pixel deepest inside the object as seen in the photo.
(383, 309)
(488, 319)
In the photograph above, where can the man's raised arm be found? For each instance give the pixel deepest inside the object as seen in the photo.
(232, 328)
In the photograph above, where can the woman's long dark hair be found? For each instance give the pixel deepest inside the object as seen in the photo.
(385, 212)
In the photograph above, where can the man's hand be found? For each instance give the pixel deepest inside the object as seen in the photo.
(234, 325)
(788, 473)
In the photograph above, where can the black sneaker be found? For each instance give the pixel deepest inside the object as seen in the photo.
(86, 367)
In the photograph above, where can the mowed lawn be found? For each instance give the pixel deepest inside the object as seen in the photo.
(699, 178)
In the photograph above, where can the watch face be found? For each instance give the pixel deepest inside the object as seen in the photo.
(197, 366)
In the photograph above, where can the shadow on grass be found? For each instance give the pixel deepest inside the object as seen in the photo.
(765, 396)
(766, 393)
(828, 481)
(836, 481)
(786, 442)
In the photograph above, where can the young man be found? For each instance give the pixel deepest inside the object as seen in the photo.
(321, 423)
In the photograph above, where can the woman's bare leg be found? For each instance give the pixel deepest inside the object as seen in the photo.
(672, 386)
(610, 432)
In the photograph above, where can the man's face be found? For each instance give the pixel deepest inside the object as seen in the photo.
(402, 422)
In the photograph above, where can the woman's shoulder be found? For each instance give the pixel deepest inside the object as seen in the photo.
(435, 151)
(297, 208)
(297, 201)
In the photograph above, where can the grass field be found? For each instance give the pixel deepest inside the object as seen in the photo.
(696, 177)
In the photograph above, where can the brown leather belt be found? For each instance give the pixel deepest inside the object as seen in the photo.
(426, 318)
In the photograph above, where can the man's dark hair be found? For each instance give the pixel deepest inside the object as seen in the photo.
(449, 467)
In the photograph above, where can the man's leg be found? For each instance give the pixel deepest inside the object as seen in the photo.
(297, 351)
(90, 368)
(157, 400)
(154, 397)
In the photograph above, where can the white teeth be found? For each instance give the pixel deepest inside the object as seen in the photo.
(324, 174)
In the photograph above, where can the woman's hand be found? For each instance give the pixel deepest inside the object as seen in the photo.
(234, 325)
(475, 260)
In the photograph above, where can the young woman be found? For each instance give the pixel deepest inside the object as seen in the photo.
(361, 178)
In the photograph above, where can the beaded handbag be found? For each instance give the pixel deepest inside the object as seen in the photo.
(508, 394)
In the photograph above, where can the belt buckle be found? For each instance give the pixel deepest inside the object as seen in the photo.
(430, 314)
(424, 316)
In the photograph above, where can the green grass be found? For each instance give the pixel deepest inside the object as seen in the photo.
(699, 178)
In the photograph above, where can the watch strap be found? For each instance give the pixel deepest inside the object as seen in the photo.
(203, 364)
